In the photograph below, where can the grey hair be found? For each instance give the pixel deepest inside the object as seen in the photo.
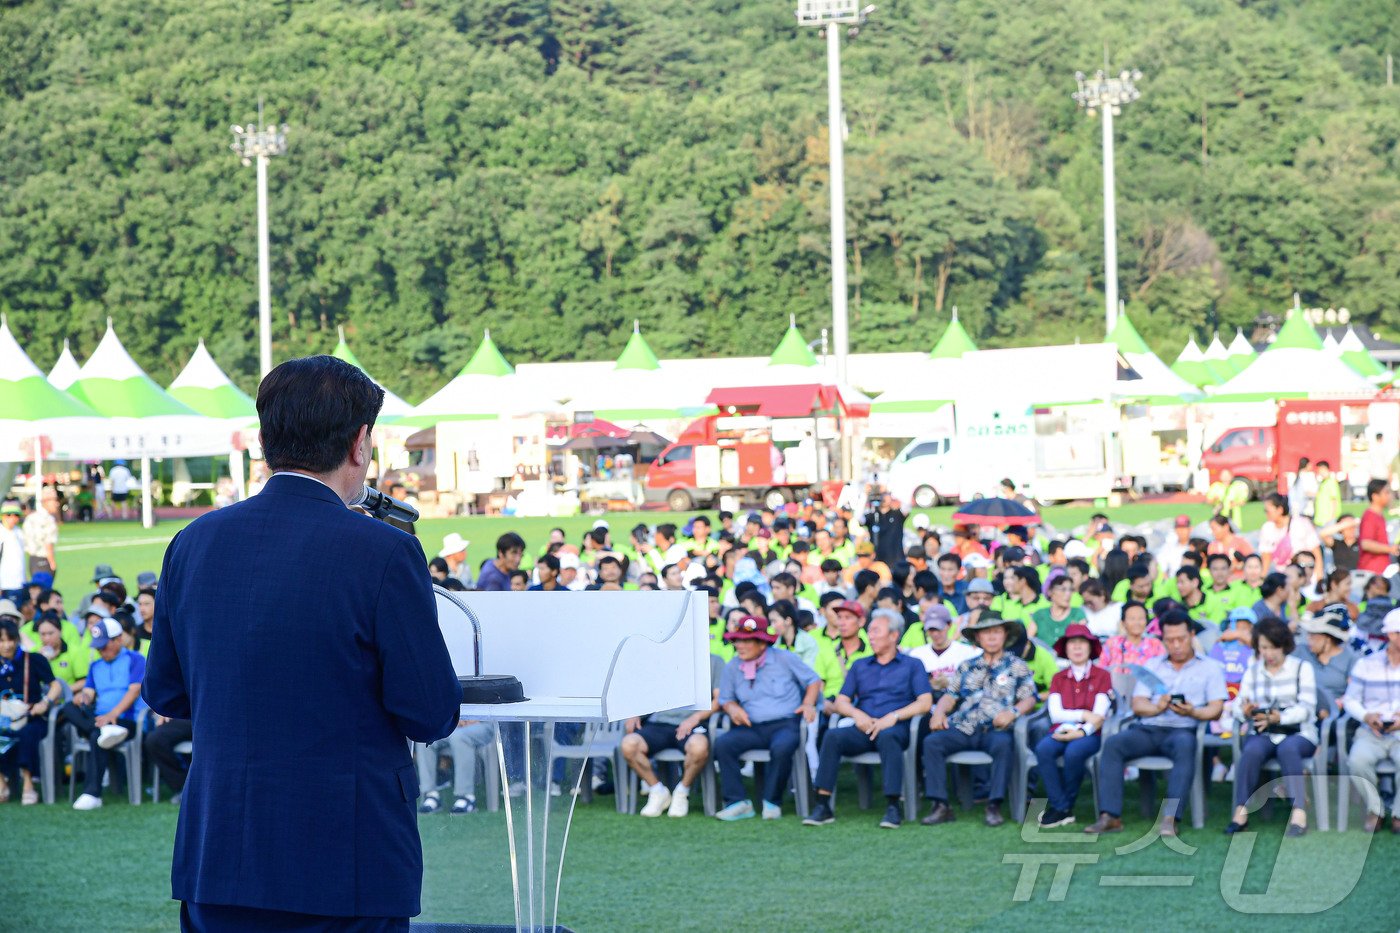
(895, 620)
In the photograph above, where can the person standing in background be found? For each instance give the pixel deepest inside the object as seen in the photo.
(120, 479)
(1327, 503)
(12, 553)
(41, 533)
(1376, 549)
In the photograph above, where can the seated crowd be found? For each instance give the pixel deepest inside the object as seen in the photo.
(832, 638)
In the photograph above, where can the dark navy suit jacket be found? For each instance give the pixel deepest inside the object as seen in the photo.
(301, 640)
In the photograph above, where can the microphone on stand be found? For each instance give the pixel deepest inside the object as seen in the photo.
(383, 507)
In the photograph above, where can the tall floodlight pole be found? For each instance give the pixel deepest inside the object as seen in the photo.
(258, 145)
(831, 15)
(1107, 95)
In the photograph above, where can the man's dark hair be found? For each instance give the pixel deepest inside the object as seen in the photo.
(1054, 547)
(706, 589)
(510, 541)
(1189, 572)
(892, 594)
(1029, 576)
(1139, 570)
(950, 558)
(701, 518)
(743, 589)
(1213, 558)
(43, 598)
(9, 629)
(785, 578)
(1323, 464)
(521, 574)
(865, 580)
(1374, 487)
(1078, 563)
(599, 536)
(1175, 617)
(310, 411)
(550, 561)
(725, 515)
(927, 581)
(831, 565)
(452, 584)
(440, 565)
(1093, 587)
(668, 530)
(829, 597)
(1278, 501)
(609, 560)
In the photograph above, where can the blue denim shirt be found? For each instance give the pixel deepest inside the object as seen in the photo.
(775, 693)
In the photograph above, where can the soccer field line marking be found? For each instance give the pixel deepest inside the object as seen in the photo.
(90, 545)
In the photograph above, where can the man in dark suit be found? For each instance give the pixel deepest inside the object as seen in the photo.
(301, 640)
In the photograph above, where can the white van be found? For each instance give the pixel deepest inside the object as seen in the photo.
(924, 473)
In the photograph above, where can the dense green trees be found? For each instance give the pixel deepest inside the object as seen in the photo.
(554, 169)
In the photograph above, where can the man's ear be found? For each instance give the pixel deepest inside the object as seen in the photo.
(360, 448)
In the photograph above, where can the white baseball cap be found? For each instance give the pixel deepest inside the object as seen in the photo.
(568, 561)
(1076, 548)
(921, 521)
(1391, 623)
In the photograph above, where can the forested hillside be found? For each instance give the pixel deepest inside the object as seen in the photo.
(553, 170)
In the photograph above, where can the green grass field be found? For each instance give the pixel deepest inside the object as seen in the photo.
(625, 873)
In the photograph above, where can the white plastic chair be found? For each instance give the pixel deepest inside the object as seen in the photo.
(605, 743)
(1316, 766)
(1156, 763)
(801, 778)
(676, 756)
(485, 757)
(1344, 788)
(867, 761)
(971, 759)
(130, 750)
(181, 748)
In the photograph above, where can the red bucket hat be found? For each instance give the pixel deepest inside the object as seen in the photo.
(1079, 631)
(752, 628)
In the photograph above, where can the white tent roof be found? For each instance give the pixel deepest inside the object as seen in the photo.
(1283, 372)
(65, 369)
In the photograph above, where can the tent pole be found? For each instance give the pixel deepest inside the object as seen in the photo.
(38, 468)
(147, 521)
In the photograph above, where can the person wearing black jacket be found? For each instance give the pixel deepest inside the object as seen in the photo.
(886, 524)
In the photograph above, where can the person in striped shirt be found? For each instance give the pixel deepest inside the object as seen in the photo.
(1373, 699)
(1278, 702)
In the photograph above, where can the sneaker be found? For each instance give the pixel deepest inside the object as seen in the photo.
(680, 804)
(894, 816)
(1052, 818)
(87, 802)
(747, 769)
(517, 789)
(431, 803)
(657, 802)
(464, 805)
(1217, 773)
(743, 810)
(771, 811)
(555, 790)
(820, 815)
(111, 735)
(29, 798)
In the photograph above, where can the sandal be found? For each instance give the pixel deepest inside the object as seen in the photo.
(29, 798)
(1235, 827)
(464, 805)
(430, 803)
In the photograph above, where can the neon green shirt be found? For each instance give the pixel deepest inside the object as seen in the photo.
(1015, 610)
(1048, 630)
(833, 662)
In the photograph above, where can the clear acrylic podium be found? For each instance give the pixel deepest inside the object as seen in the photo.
(584, 660)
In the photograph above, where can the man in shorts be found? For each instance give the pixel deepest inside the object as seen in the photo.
(682, 729)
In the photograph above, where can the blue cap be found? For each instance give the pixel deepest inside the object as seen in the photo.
(43, 578)
(104, 631)
(146, 578)
(1240, 614)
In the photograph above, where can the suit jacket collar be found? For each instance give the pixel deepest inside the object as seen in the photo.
(280, 484)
